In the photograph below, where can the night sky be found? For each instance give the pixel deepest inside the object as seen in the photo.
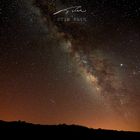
(74, 67)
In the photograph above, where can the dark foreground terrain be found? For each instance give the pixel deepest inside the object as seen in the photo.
(23, 130)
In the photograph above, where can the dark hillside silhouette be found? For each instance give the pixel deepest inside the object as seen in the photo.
(21, 129)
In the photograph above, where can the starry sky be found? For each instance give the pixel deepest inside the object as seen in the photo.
(76, 66)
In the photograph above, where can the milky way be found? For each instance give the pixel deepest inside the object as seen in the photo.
(71, 61)
(95, 65)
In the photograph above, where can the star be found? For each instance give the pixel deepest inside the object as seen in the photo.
(121, 65)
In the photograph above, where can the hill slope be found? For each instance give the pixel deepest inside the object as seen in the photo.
(71, 132)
